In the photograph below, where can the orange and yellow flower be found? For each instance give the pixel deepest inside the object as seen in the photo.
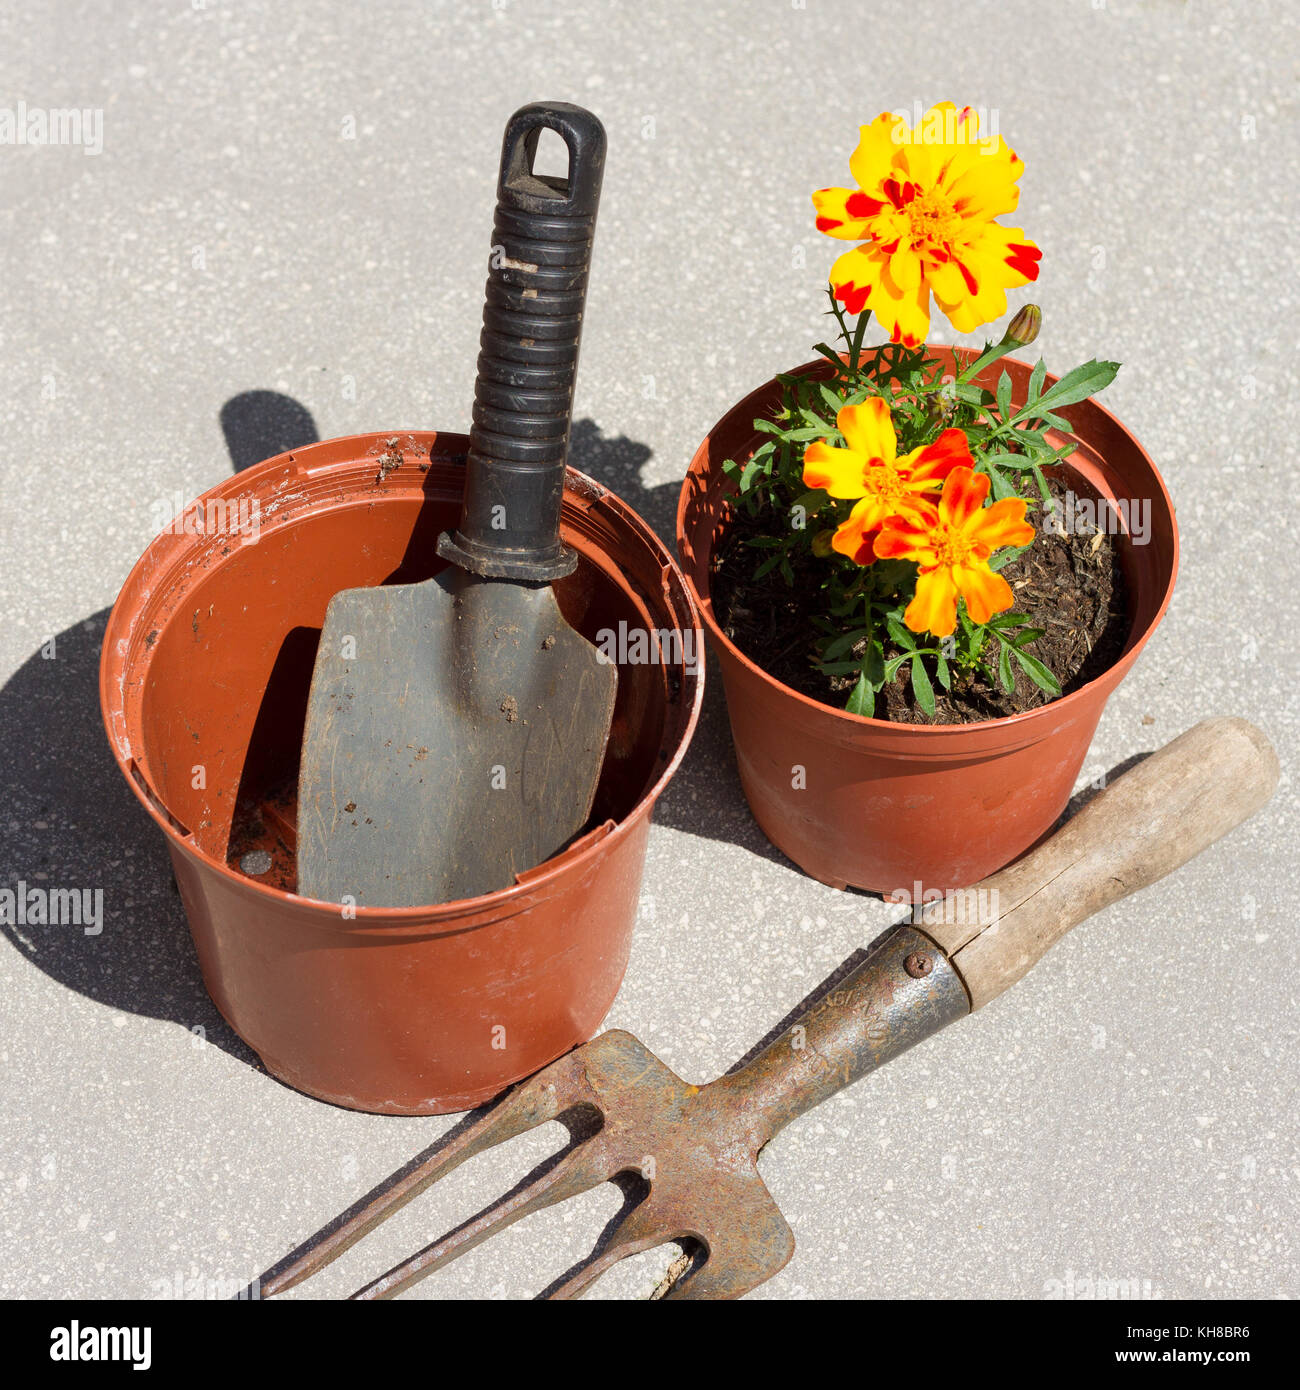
(925, 210)
(869, 470)
(952, 544)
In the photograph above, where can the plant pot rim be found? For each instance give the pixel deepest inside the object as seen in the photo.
(315, 470)
(1065, 704)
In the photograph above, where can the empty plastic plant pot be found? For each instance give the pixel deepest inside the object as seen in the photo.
(205, 671)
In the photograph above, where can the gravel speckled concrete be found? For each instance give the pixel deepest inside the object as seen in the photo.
(295, 197)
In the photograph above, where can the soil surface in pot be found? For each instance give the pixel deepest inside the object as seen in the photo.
(1071, 585)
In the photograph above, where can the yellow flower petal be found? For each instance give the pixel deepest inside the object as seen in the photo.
(868, 430)
(836, 471)
(877, 150)
(856, 536)
(904, 314)
(855, 275)
(924, 211)
(995, 260)
(1001, 524)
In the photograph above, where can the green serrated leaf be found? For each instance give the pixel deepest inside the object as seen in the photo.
(833, 402)
(1004, 557)
(1018, 462)
(812, 502)
(1002, 487)
(971, 394)
(873, 665)
(767, 566)
(840, 645)
(892, 665)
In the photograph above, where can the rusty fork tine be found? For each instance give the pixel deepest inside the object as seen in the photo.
(618, 1249)
(547, 1095)
(577, 1172)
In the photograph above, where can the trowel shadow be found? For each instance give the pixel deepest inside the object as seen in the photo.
(704, 797)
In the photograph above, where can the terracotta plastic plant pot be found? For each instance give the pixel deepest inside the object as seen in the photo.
(907, 809)
(205, 671)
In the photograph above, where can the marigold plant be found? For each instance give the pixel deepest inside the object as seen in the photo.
(912, 485)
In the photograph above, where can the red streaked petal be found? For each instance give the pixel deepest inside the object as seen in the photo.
(1023, 260)
(856, 537)
(935, 461)
(906, 535)
(853, 297)
(859, 204)
(964, 492)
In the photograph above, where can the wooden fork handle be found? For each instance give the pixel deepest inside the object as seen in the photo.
(967, 948)
(1148, 822)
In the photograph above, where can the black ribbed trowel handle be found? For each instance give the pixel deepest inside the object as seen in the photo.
(532, 326)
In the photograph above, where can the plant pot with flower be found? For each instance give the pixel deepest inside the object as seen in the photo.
(923, 569)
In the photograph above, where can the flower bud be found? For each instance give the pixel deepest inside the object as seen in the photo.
(1023, 329)
(821, 544)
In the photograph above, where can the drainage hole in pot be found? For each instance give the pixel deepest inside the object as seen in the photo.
(263, 837)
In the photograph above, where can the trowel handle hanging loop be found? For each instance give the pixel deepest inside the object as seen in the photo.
(532, 327)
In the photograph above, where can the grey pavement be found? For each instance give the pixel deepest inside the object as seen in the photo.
(297, 197)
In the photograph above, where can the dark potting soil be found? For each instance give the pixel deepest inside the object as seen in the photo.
(1071, 585)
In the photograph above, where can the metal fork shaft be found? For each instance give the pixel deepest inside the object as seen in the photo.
(902, 993)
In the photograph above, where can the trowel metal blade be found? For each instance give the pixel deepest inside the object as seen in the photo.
(454, 738)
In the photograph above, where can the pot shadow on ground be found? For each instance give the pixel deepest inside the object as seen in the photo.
(71, 821)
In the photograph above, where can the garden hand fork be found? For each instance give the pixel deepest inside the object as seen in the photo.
(697, 1146)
